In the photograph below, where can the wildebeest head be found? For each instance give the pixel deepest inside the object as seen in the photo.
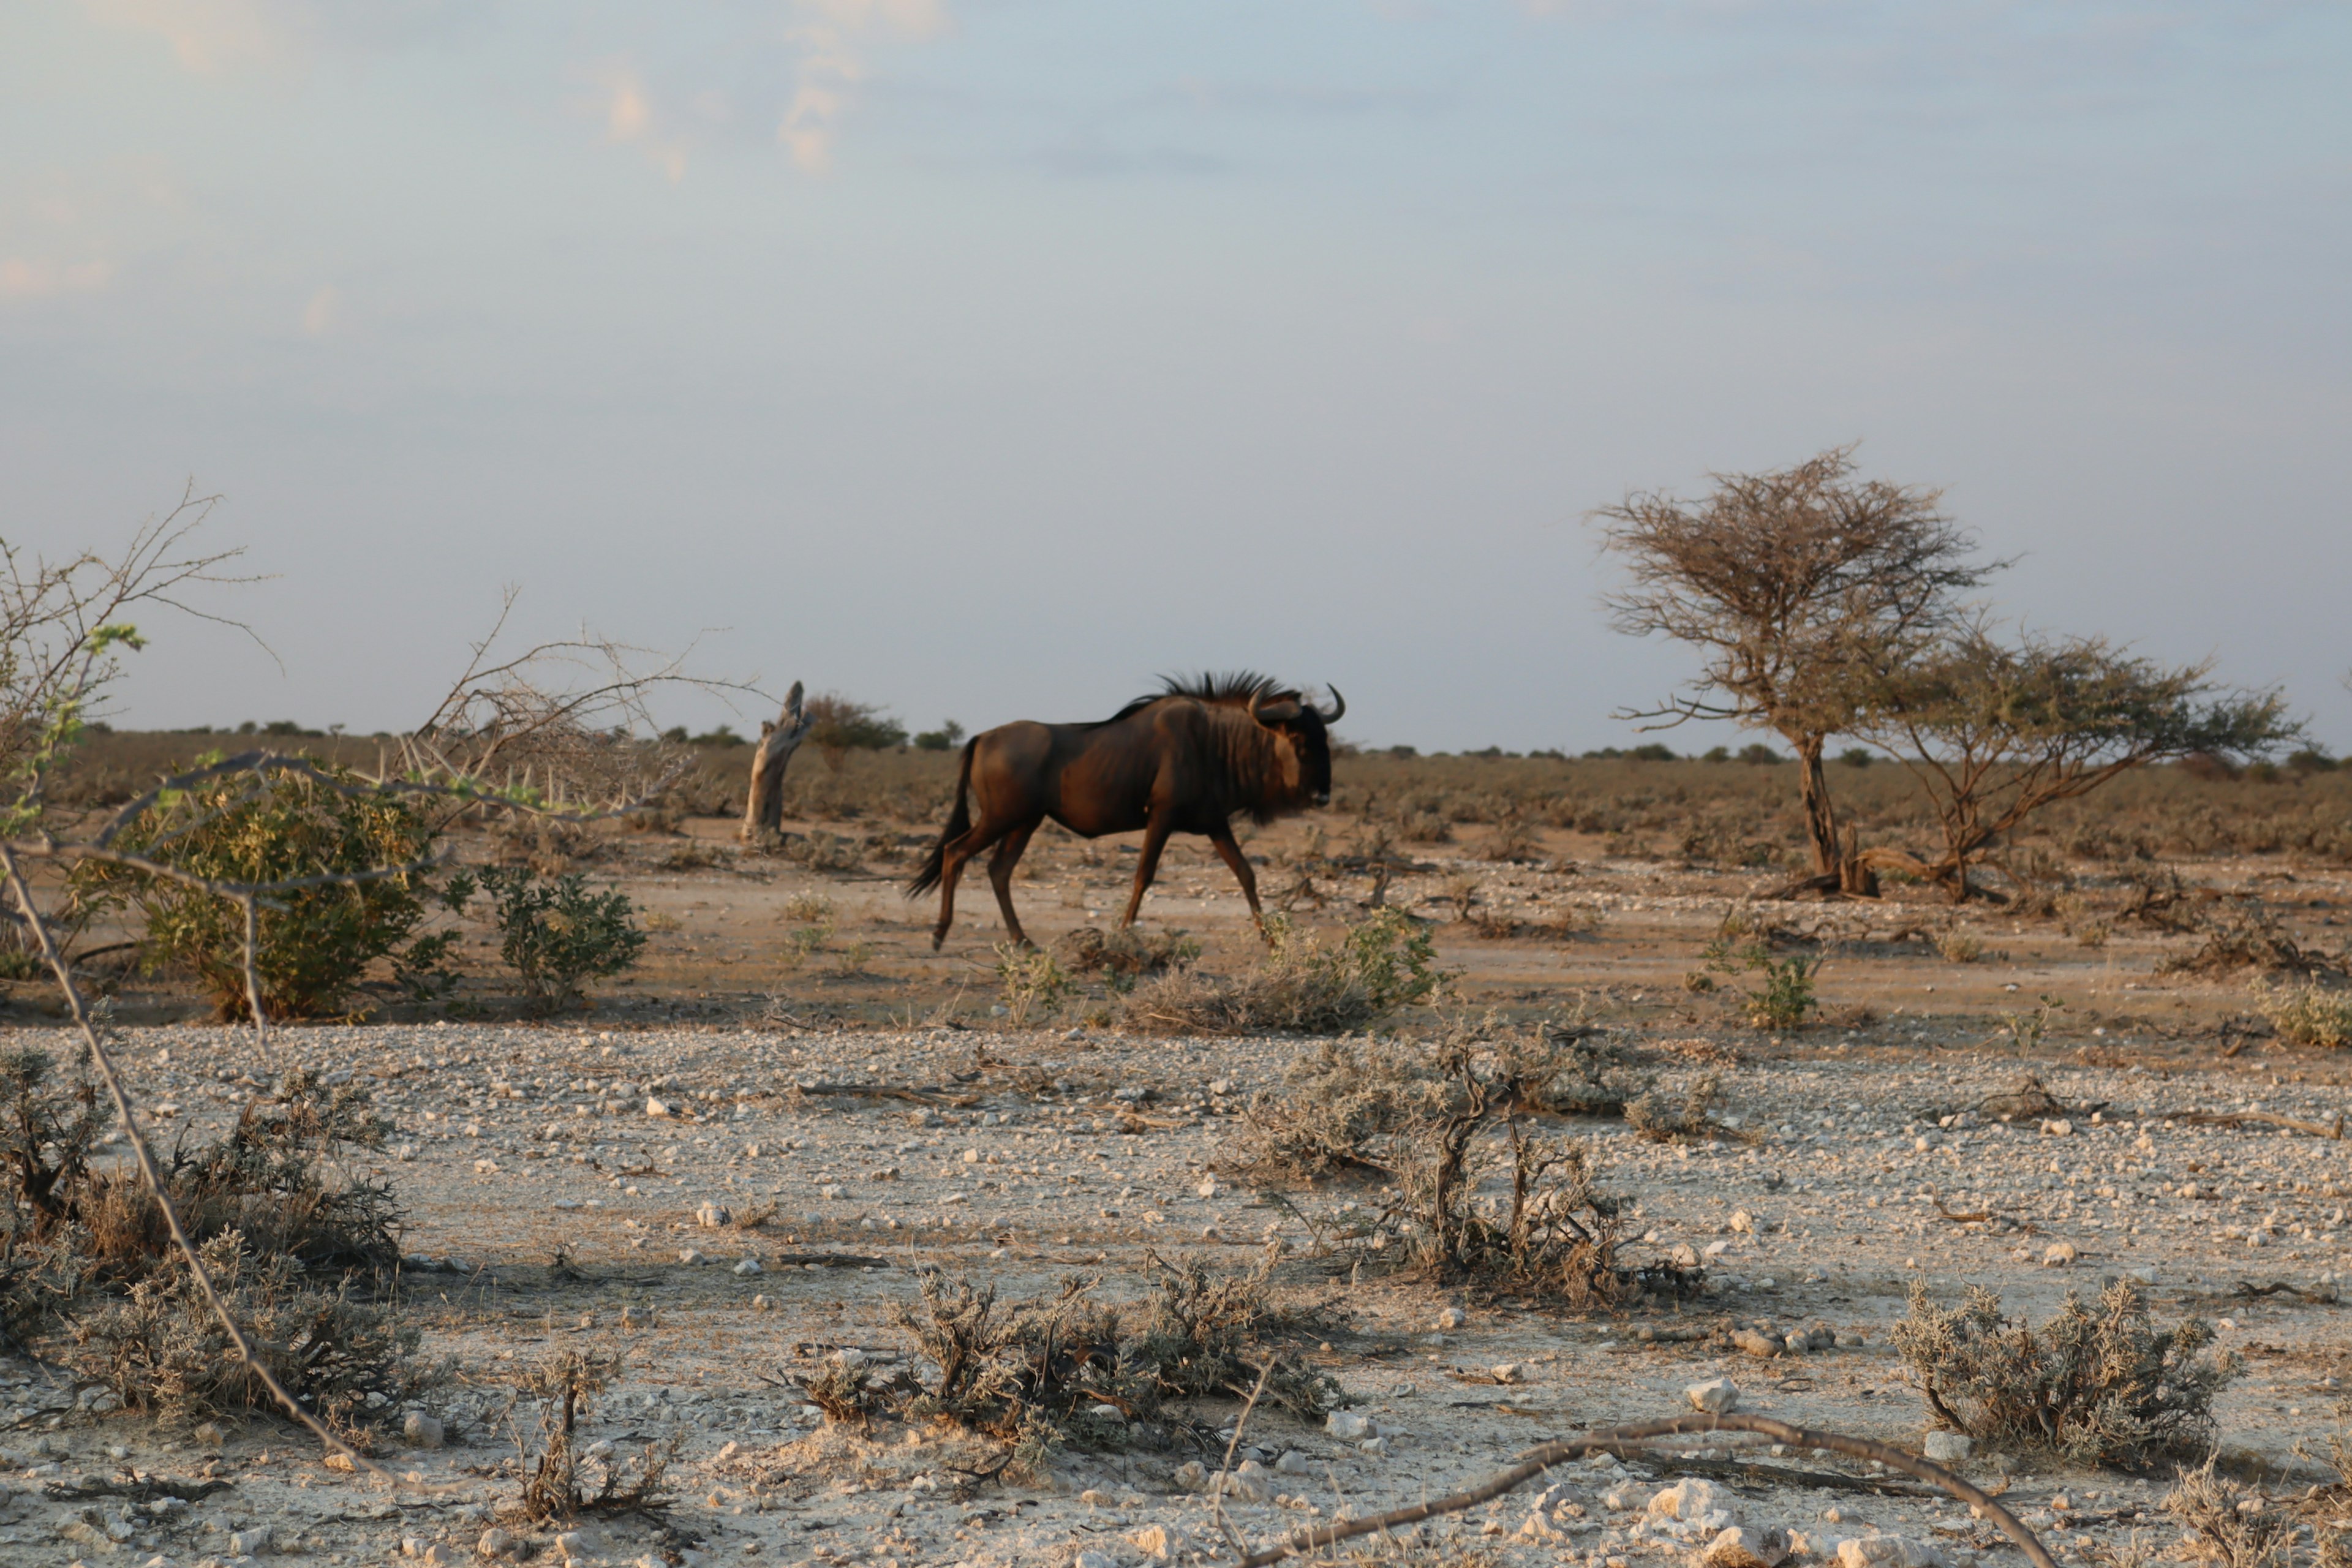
(1304, 733)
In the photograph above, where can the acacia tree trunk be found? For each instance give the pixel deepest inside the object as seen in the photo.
(763, 803)
(1820, 817)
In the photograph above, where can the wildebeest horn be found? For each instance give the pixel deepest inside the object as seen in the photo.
(1339, 707)
(1271, 714)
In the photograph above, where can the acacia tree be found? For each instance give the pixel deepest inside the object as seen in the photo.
(1993, 730)
(1800, 586)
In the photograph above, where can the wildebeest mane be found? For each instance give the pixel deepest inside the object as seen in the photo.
(1231, 688)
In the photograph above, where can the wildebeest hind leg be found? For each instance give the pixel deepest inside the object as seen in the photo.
(951, 859)
(1232, 854)
(1000, 876)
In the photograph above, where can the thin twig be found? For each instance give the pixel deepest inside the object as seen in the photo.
(1217, 1482)
(1536, 1461)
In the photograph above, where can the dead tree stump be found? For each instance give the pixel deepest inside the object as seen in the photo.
(763, 803)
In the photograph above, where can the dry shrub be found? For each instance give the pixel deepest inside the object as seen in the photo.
(2310, 1017)
(561, 1480)
(550, 846)
(2226, 1525)
(1066, 1370)
(160, 1348)
(2098, 1385)
(2243, 934)
(1558, 1237)
(1677, 1114)
(1342, 1102)
(1124, 954)
(1424, 827)
(1301, 987)
(89, 1268)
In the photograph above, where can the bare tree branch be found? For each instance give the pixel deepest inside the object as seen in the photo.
(1615, 1439)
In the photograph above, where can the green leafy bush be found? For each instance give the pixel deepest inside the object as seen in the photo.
(554, 933)
(313, 944)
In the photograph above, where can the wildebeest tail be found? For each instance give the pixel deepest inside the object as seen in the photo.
(959, 824)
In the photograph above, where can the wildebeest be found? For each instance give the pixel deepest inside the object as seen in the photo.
(1184, 760)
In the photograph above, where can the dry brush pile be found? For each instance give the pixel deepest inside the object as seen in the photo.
(306, 1261)
(1434, 1119)
(1069, 1371)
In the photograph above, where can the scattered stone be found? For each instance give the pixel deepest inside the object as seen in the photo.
(422, 1431)
(495, 1542)
(1293, 1463)
(657, 1107)
(2058, 1127)
(748, 1267)
(578, 1545)
(1248, 1482)
(1947, 1447)
(1748, 1342)
(689, 1257)
(1716, 1396)
(711, 1215)
(1738, 1546)
(1557, 1514)
(1888, 1552)
(1743, 1223)
(1094, 1560)
(1348, 1425)
(1159, 1543)
(1694, 1502)
(253, 1540)
(1192, 1476)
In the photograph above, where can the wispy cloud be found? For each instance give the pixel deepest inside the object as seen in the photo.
(834, 38)
(627, 107)
(213, 36)
(32, 278)
(319, 315)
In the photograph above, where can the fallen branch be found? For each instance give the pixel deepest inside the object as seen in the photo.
(2235, 1119)
(1987, 1216)
(1759, 1474)
(1615, 1439)
(938, 1097)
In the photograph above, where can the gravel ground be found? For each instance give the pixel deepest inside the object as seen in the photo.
(561, 1183)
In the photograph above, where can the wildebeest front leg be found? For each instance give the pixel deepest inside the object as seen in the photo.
(1000, 876)
(1233, 855)
(1147, 866)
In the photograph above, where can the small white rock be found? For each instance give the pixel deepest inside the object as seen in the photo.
(495, 1542)
(689, 1257)
(657, 1107)
(748, 1267)
(1716, 1396)
(1947, 1447)
(1348, 1425)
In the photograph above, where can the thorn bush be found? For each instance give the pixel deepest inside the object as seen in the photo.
(2093, 1385)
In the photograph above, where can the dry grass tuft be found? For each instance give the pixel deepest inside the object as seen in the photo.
(1302, 986)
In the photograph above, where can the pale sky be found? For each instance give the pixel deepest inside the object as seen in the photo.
(985, 359)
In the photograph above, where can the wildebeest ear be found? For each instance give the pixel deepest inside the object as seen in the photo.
(1273, 714)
